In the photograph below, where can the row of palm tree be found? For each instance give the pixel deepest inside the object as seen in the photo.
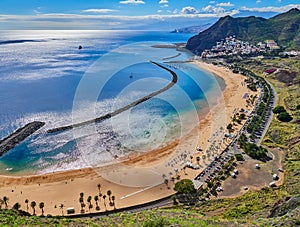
(17, 205)
(33, 204)
(110, 197)
(97, 199)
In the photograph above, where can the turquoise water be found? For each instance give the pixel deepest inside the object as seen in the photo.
(45, 77)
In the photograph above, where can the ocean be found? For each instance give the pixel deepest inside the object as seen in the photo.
(44, 76)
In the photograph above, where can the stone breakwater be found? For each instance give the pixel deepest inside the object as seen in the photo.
(118, 111)
(18, 136)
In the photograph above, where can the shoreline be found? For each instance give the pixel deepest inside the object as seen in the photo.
(47, 187)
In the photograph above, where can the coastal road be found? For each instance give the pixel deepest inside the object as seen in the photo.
(270, 118)
(118, 111)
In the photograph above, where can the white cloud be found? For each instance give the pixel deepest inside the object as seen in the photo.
(274, 9)
(95, 21)
(163, 2)
(213, 9)
(36, 11)
(225, 4)
(188, 10)
(164, 6)
(212, 2)
(159, 11)
(258, 1)
(99, 10)
(134, 2)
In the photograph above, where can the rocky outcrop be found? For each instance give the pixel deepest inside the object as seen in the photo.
(285, 207)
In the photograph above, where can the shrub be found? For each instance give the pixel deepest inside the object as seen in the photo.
(210, 184)
(242, 116)
(284, 117)
(185, 186)
(229, 126)
(254, 151)
(239, 157)
(252, 87)
(156, 222)
(279, 109)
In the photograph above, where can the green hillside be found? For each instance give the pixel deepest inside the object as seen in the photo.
(283, 28)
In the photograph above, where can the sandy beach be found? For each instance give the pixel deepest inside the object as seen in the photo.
(139, 178)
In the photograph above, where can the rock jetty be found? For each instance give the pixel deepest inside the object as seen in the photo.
(18, 136)
(118, 111)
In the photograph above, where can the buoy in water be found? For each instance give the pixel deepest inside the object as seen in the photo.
(80, 47)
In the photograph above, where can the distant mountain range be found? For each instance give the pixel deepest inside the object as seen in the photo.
(192, 29)
(283, 28)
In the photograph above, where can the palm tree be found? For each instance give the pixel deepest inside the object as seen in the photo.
(166, 181)
(89, 199)
(109, 194)
(33, 204)
(173, 179)
(104, 202)
(81, 194)
(42, 205)
(17, 206)
(5, 200)
(113, 198)
(96, 198)
(99, 189)
(81, 199)
(198, 159)
(27, 201)
(61, 206)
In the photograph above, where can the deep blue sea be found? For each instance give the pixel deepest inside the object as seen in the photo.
(45, 76)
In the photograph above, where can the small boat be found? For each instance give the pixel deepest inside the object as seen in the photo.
(9, 169)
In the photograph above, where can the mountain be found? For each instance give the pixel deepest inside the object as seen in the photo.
(192, 29)
(283, 28)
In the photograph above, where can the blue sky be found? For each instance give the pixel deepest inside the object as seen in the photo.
(128, 14)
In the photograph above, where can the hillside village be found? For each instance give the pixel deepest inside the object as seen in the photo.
(233, 46)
